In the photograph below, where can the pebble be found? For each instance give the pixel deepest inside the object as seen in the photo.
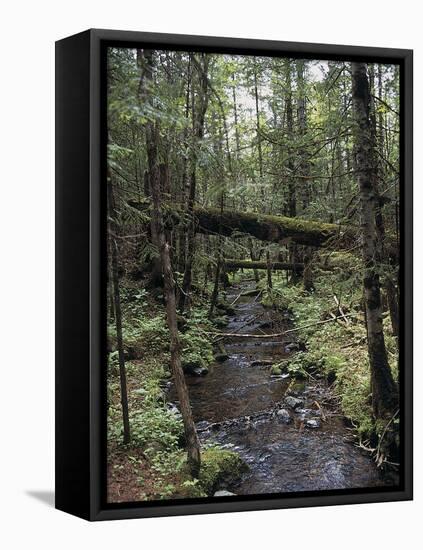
(224, 493)
(313, 423)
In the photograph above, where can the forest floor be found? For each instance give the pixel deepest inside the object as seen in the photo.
(275, 405)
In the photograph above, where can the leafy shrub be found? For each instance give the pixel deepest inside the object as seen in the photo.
(156, 429)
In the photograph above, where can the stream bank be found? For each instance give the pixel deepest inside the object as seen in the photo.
(290, 433)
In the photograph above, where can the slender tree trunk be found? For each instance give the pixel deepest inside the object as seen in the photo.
(198, 118)
(292, 199)
(215, 292)
(304, 182)
(146, 64)
(269, 271)
(391, 290)
(305, 169)
(387, 282)
(308, 279)
(254, 258)
(256, 97)
(193, 444)
(235, 108)
(118, 314)
(384, 391)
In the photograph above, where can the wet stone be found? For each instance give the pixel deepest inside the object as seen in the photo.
(293, 346)
(224, 493)
(307, 412)
(202, 425)
(313, 423)
(284, 416)
(293, 402)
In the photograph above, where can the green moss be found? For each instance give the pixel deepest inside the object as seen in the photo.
(279, 368)
(218, 467)
(267, 227)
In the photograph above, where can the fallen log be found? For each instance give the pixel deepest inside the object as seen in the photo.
(279, 229)
(269, 228)
(277, 266)
(261, 226)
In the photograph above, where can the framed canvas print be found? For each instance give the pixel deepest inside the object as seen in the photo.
(234, 274)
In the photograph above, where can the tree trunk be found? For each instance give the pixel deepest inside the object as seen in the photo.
(235, 109)
(254, 257)
(389, 285)
(269, 271)
(118, 314)
(192, 442)
(305, 169)
(277, 229)
(215, 293)
(291, 206)
(308, 279)
(198, 117)
(258, 135)
(146, 64)
(384, 391)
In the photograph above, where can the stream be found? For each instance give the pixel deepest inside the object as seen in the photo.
(291, 434)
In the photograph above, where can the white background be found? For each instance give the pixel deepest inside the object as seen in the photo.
(28, 31)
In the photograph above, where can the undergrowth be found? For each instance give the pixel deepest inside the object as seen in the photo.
(336, 349)
(156, 451)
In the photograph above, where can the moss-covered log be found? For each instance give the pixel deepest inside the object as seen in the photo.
(269, 228)
(265, 227)
(247, 264)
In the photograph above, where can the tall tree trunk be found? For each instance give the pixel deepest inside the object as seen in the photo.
(292, 199)
(145, 63)
(387, 282)
(193, 444)
(384, 391)
(235, 109)
(304, 182)
(198, 117)
(118, 313)
(256, 98)
(391, 290)
(305, 169)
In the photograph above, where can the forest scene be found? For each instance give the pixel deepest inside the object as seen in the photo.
(252, 275)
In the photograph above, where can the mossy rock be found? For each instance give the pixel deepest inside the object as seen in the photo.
(226, 308)
(219, 467)
(221, 322)
(279, 368)
(221, 357)
(195, 367)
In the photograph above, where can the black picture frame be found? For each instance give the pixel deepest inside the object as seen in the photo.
(80, 253)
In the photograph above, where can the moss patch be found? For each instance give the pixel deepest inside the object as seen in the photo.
(219, 467)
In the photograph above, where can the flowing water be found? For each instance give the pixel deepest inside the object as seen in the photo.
(290, 434)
